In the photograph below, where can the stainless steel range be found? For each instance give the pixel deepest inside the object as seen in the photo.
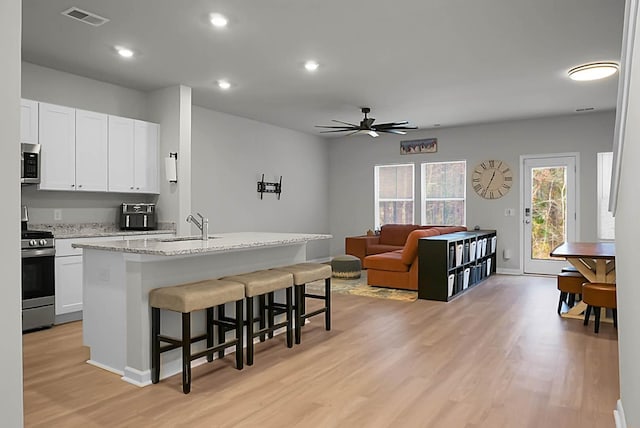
(38, 277)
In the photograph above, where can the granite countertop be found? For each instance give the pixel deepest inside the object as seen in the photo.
(93, 230)
(188, 245)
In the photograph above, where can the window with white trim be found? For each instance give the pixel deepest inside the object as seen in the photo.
(394, 201)
(444, 193)
(606, 222)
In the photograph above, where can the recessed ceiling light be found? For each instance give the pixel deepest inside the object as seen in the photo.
(593, 71)
(311, 65)
(124, 52)
(218, 20)
(224, 84)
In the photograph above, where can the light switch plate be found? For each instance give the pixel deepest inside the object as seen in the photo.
(57, 214)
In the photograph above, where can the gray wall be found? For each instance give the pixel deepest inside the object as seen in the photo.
(57, 87)
(352, 162)
(627, 253)
(10, 296)
(230, 153)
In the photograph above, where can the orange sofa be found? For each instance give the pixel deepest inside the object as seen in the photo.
(392, 237)
(399, 268)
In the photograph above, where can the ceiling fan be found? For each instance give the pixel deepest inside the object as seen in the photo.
(366, 125)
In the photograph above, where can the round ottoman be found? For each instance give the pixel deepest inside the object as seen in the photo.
(346, 267)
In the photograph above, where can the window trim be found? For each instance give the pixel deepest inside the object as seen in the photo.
(602, 188)
(376, 189)
(423, 191)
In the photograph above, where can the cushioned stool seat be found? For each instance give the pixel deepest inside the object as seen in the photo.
(187, 298)
(598, 295)
(570, 285)
(304, 273)
(346, 267)
(260, 283)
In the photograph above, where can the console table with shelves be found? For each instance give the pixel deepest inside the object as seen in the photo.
(451, 264)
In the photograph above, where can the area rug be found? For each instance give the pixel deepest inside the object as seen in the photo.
(359, 287)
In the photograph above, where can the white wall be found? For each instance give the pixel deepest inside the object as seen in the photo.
(628, 252)
(58, 87)
(352, 161)
(230, 153)
(10, 296)
(171, 107)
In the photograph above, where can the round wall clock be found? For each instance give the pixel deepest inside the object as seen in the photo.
(492, 179)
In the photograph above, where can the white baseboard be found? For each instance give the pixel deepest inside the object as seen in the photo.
(320, 260)
(104, 367)
(503, 271)
(618, 416)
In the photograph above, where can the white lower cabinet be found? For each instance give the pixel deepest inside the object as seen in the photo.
(68, 284)
(68, 275)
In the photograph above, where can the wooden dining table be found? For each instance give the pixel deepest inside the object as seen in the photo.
(596, 261)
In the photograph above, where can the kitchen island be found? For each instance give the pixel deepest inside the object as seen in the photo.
(118, 275)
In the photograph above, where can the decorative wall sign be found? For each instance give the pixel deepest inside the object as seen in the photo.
(426, 145)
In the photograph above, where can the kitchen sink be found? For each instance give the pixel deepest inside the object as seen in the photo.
(184, 238)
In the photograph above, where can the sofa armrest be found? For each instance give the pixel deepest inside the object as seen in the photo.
(357, 245)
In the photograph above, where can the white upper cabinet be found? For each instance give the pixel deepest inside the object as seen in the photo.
(58, 152)
(28, 121)
(133, 156)
(91, 151)
(121, 154)
(146, 157)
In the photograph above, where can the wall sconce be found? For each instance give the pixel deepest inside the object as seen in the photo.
(171, 167)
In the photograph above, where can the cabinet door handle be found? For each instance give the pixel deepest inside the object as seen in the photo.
(79, 185)
(73, 185)
(131, 187)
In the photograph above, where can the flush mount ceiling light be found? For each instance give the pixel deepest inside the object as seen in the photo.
(311, 65)
(218, 20)
(224, 84)
(124, 52)
(593, 71)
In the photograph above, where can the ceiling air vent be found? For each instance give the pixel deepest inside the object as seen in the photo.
(84, 16)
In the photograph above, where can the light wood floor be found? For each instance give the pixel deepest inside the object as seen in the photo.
(499, 356)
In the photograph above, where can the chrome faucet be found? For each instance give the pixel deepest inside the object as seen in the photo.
(203, 225)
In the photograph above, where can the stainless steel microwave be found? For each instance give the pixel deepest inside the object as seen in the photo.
(30, 163)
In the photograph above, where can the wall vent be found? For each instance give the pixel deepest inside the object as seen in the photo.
(84, 16)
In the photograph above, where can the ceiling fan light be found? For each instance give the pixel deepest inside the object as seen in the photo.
(593, 71)
(372, 133)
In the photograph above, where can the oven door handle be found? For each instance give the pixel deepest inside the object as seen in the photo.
(40, 252)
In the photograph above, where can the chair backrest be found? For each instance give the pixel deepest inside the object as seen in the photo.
(395, 234)
(410, 251)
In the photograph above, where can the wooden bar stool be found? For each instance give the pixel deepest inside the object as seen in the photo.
(187, 298)
(304, 273)
(569, 284)
(261, 283)
(599, 295)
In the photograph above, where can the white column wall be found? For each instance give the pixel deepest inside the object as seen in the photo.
(10, 296)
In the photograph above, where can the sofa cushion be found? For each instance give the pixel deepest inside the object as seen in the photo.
(391, 261)
(381, 248)
(410, 251)
(395, 234)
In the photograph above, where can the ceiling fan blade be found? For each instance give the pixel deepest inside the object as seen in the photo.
(354, 132)
(392, 124)
(338, 130)
(346, 123)
(391, 131)
(346, 128)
